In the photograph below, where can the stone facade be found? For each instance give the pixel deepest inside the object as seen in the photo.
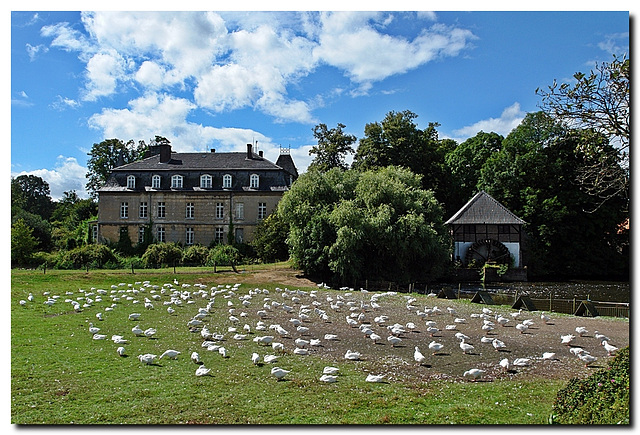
(192, 198)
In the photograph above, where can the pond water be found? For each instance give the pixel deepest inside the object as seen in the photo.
(592, 290)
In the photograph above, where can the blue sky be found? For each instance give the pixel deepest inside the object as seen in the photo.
(222, 80)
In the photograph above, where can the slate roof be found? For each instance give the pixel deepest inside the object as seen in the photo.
(484, 209)
(201, 161)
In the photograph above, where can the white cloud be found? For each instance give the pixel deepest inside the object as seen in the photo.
(66, 175)
(510, 118)
(104, 71)
(34, 50)
(351, 42)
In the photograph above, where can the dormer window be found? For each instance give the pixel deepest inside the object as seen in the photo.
(155, 182)
(205, 181)
(131, 182)
(176, 182)
(254, 181)
(226, 181)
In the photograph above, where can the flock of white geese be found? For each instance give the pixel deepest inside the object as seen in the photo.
(248, 314)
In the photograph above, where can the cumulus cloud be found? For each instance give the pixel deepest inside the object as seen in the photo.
(510, 118)
(67, 175)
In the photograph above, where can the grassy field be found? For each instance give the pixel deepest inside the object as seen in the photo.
(61, 375)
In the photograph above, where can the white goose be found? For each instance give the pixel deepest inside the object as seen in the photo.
(352, 355)
(195, 357)
(466, 347)
(567, 339)
(435, 347)
(504, 363)
(609, 347)
(329, 370)
(375, 378)
(279, 373)
(255, 358)
(120, 351)
(581, 330)
(328, 378)
(497, 344)
(170, 353)
(202, 371)
(418, 356)
(93, 329)
(521, 327)
(270, 358)
(587, 358)
(549, 355)
(147, 358)
(521, 362)
(474, 374)
(150, 332)
(394, 340)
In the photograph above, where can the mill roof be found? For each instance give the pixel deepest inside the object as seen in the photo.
(484, 209)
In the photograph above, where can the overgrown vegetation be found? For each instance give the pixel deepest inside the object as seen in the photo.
(602, 398)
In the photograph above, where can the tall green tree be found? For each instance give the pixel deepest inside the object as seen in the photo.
(464, 162)
(599, 101)
(32, 194)
(333, 147)
(535, 175)
(378, 224)
(270, 239)
(108, 154)
(23, 243)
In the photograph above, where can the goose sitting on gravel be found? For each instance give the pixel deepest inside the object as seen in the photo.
(521, 362)
(474, 374)
(352, 355)
(549, 355)
(330, 337)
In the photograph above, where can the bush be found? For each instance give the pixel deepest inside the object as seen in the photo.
(40, 258)
(94, 256)
(195, 255)
(162, 254)
(602, 398)
(223, 255)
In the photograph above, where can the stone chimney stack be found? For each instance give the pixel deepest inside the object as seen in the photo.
(164, 150)
(249, 151)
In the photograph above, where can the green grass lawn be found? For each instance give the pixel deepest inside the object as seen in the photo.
(60, 375)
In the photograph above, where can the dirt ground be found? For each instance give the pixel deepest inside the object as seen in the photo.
(398, 363)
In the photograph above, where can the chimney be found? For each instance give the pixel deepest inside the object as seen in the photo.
(213, 150)
(249, 151)
(260, 153)
(164, 150)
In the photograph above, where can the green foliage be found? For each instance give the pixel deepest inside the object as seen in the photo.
(223, 255)
(333, 146)
(195, 255)
(41, 227)
(23, 243)
(270, 239)
(93, 256)
(31, 193)
(108, 154)
(378, 224)
(162, 254)
(602, 398)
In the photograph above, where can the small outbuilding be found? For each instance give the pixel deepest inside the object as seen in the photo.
(485, 231)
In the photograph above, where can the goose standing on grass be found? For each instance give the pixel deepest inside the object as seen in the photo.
(277, 347)
(93, 329)
(134, 316)
(147, 358)
(279, 373)
(150, 332)
(255, 358)
(195, 357)
(170, 353)
(474, 374)
(137, 331)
